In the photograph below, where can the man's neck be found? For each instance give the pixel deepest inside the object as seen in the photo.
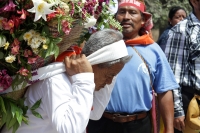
(131, 37)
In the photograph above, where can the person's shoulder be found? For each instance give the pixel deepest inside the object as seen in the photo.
(153, 48)
(180, 27)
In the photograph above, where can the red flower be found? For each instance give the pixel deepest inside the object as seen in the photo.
(58, 11)
(23, 72)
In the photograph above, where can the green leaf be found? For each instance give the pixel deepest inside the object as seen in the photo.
(15, 127)
(13, 109)
(19, 119)
(21, 38)
(24, 84)
(25, 120)
(12, 122)
(2, 105)
(56, 52)
(36, 114)
(8, 119)
(56, 40)
(36, 105)
(1, 55)
(45, 31)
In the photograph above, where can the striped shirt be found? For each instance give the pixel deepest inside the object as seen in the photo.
(183, 51)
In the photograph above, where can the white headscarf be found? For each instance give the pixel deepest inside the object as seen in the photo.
(108, 53)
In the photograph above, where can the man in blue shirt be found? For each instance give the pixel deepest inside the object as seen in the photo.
(128, 110)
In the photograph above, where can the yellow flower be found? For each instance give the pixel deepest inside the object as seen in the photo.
(44, 46)
(6, 45)
(10, 58)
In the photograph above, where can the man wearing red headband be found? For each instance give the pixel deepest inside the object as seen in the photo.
(128, 110)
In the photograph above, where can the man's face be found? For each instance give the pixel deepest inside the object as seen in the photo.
(103, 76)
(130, 19)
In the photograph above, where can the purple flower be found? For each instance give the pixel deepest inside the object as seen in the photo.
(8, 7)
(4, 71)
(5, 80)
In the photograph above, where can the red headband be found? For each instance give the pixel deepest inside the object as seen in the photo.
(135, 3)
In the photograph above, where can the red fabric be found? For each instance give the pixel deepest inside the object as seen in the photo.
(142, 40)
(134, 3)
(73, 50)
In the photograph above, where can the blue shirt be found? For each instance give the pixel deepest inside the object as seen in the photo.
(132, 91)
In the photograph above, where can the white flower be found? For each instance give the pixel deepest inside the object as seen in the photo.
(28, 35)
(64, 6)
(10, 58)
(90, 22)
(2, 41)
(41, 9)
(35, 42)
(83, 1)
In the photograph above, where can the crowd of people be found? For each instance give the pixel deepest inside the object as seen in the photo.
(110, 86)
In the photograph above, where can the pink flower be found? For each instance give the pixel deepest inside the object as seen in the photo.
(65, 27)
(15, 50)
(5, 80)
(32, 60)
(18, 58)
(15, 47)
(23, 13)
(8, 7)
(23, 72)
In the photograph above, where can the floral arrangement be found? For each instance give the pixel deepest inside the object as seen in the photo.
(31, 30)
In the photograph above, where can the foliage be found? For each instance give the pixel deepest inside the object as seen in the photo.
(160, 10)
(31, 30)
(13, 112)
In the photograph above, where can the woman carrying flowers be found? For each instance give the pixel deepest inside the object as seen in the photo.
(31, 34)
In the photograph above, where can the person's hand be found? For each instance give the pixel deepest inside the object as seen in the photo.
(179, 123)
(77, 64)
